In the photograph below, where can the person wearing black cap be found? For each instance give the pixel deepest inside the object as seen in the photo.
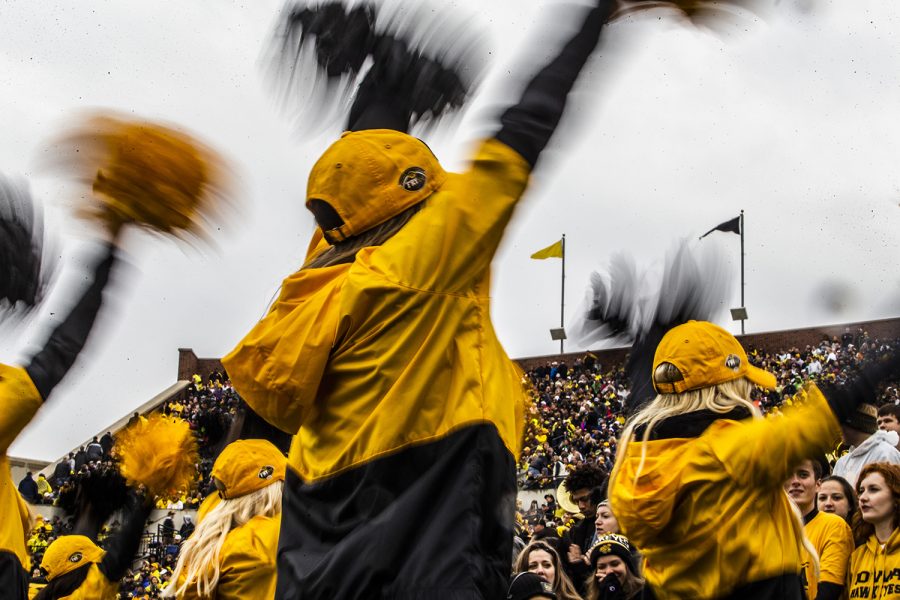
(868, 444)
(613, 572)
(528, 586)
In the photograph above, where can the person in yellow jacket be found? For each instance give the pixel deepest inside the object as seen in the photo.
(829, 535)
(874, 570)
(232, 552)
(75, 571)
(697, 484)
(379, 355)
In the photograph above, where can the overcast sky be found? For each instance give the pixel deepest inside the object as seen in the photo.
(792, 118)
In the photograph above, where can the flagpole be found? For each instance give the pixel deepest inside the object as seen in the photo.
(742, 269)
(562, 296)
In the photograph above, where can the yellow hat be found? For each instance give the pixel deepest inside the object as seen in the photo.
(68, 553)
(369, 176)
(245, 466)
(699, 354)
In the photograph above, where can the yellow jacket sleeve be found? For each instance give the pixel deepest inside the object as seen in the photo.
(450, 244)
(835, 554)
(764, 451)
(19, 401)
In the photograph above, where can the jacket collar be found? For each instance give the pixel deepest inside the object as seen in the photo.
(690, 425)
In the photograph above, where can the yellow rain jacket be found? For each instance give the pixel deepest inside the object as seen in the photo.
(708, 512)
(246, 562)
(19, 401)
(397, 348)
(874, 571)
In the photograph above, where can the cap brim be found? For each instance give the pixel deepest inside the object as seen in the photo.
(761, 378)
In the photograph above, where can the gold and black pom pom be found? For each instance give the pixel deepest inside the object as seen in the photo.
(145, 174)
(159, 453)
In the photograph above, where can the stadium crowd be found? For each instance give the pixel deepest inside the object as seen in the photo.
(576, 418)
(577, 409)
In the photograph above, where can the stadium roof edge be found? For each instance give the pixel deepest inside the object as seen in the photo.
(145, 408)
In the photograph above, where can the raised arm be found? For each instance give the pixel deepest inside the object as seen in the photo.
(527, 126)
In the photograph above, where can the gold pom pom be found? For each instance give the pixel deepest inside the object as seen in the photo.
(159, 453)
(145, 174)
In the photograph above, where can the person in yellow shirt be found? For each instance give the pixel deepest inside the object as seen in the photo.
(828, 533)
(874, 570)
(698, 481)
(231, 554)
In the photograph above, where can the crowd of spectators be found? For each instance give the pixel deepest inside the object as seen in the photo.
(577, 409)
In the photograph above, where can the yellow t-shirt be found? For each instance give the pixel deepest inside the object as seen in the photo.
(831, 537)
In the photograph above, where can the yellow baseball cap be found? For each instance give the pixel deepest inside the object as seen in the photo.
(68, 553)
(245, 466)
(369, 176)
(699, 354)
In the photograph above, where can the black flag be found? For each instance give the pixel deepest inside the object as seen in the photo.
(734, 226)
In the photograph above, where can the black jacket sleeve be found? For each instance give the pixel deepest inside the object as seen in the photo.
(527, 126)
(53, 361)
(829, 591)
(124, 545)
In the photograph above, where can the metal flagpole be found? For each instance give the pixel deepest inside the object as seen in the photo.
(562, 296)
(744, 306)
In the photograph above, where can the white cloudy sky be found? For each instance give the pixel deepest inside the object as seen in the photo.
(794, 121)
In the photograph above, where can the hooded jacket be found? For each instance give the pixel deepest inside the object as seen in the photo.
(881, 446)
(708, 510)
(874, 571)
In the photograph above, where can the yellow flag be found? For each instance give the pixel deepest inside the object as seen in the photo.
(554, 250)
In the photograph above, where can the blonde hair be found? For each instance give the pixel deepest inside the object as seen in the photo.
(721, 399)
(198, 562)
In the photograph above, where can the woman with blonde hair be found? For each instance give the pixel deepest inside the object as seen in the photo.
(540, 558)
(697, 485)
(232, 552)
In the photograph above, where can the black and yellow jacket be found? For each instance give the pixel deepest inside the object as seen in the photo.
(874, 571)
(708, 510)
(407, 413)
(832, 539)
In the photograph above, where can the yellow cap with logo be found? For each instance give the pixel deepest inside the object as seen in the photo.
(245, 466)
(369, 176)
(68, 553)
(699, 354)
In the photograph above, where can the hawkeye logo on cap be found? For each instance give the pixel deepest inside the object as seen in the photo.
(733, 362)
(413, 179)
(266, 472)
(75, 557)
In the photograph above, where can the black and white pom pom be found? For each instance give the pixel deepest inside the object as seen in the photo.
(338, 60)
(627, 308)
(24, 268)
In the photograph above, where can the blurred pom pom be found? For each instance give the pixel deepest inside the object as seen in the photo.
(101, 490)
(24, 265)
(328, 56)
(145, 174)
(159, 453)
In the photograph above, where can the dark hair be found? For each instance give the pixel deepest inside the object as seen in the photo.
(849, 493)
(890, 409)
(585, 477)
(862, 530)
